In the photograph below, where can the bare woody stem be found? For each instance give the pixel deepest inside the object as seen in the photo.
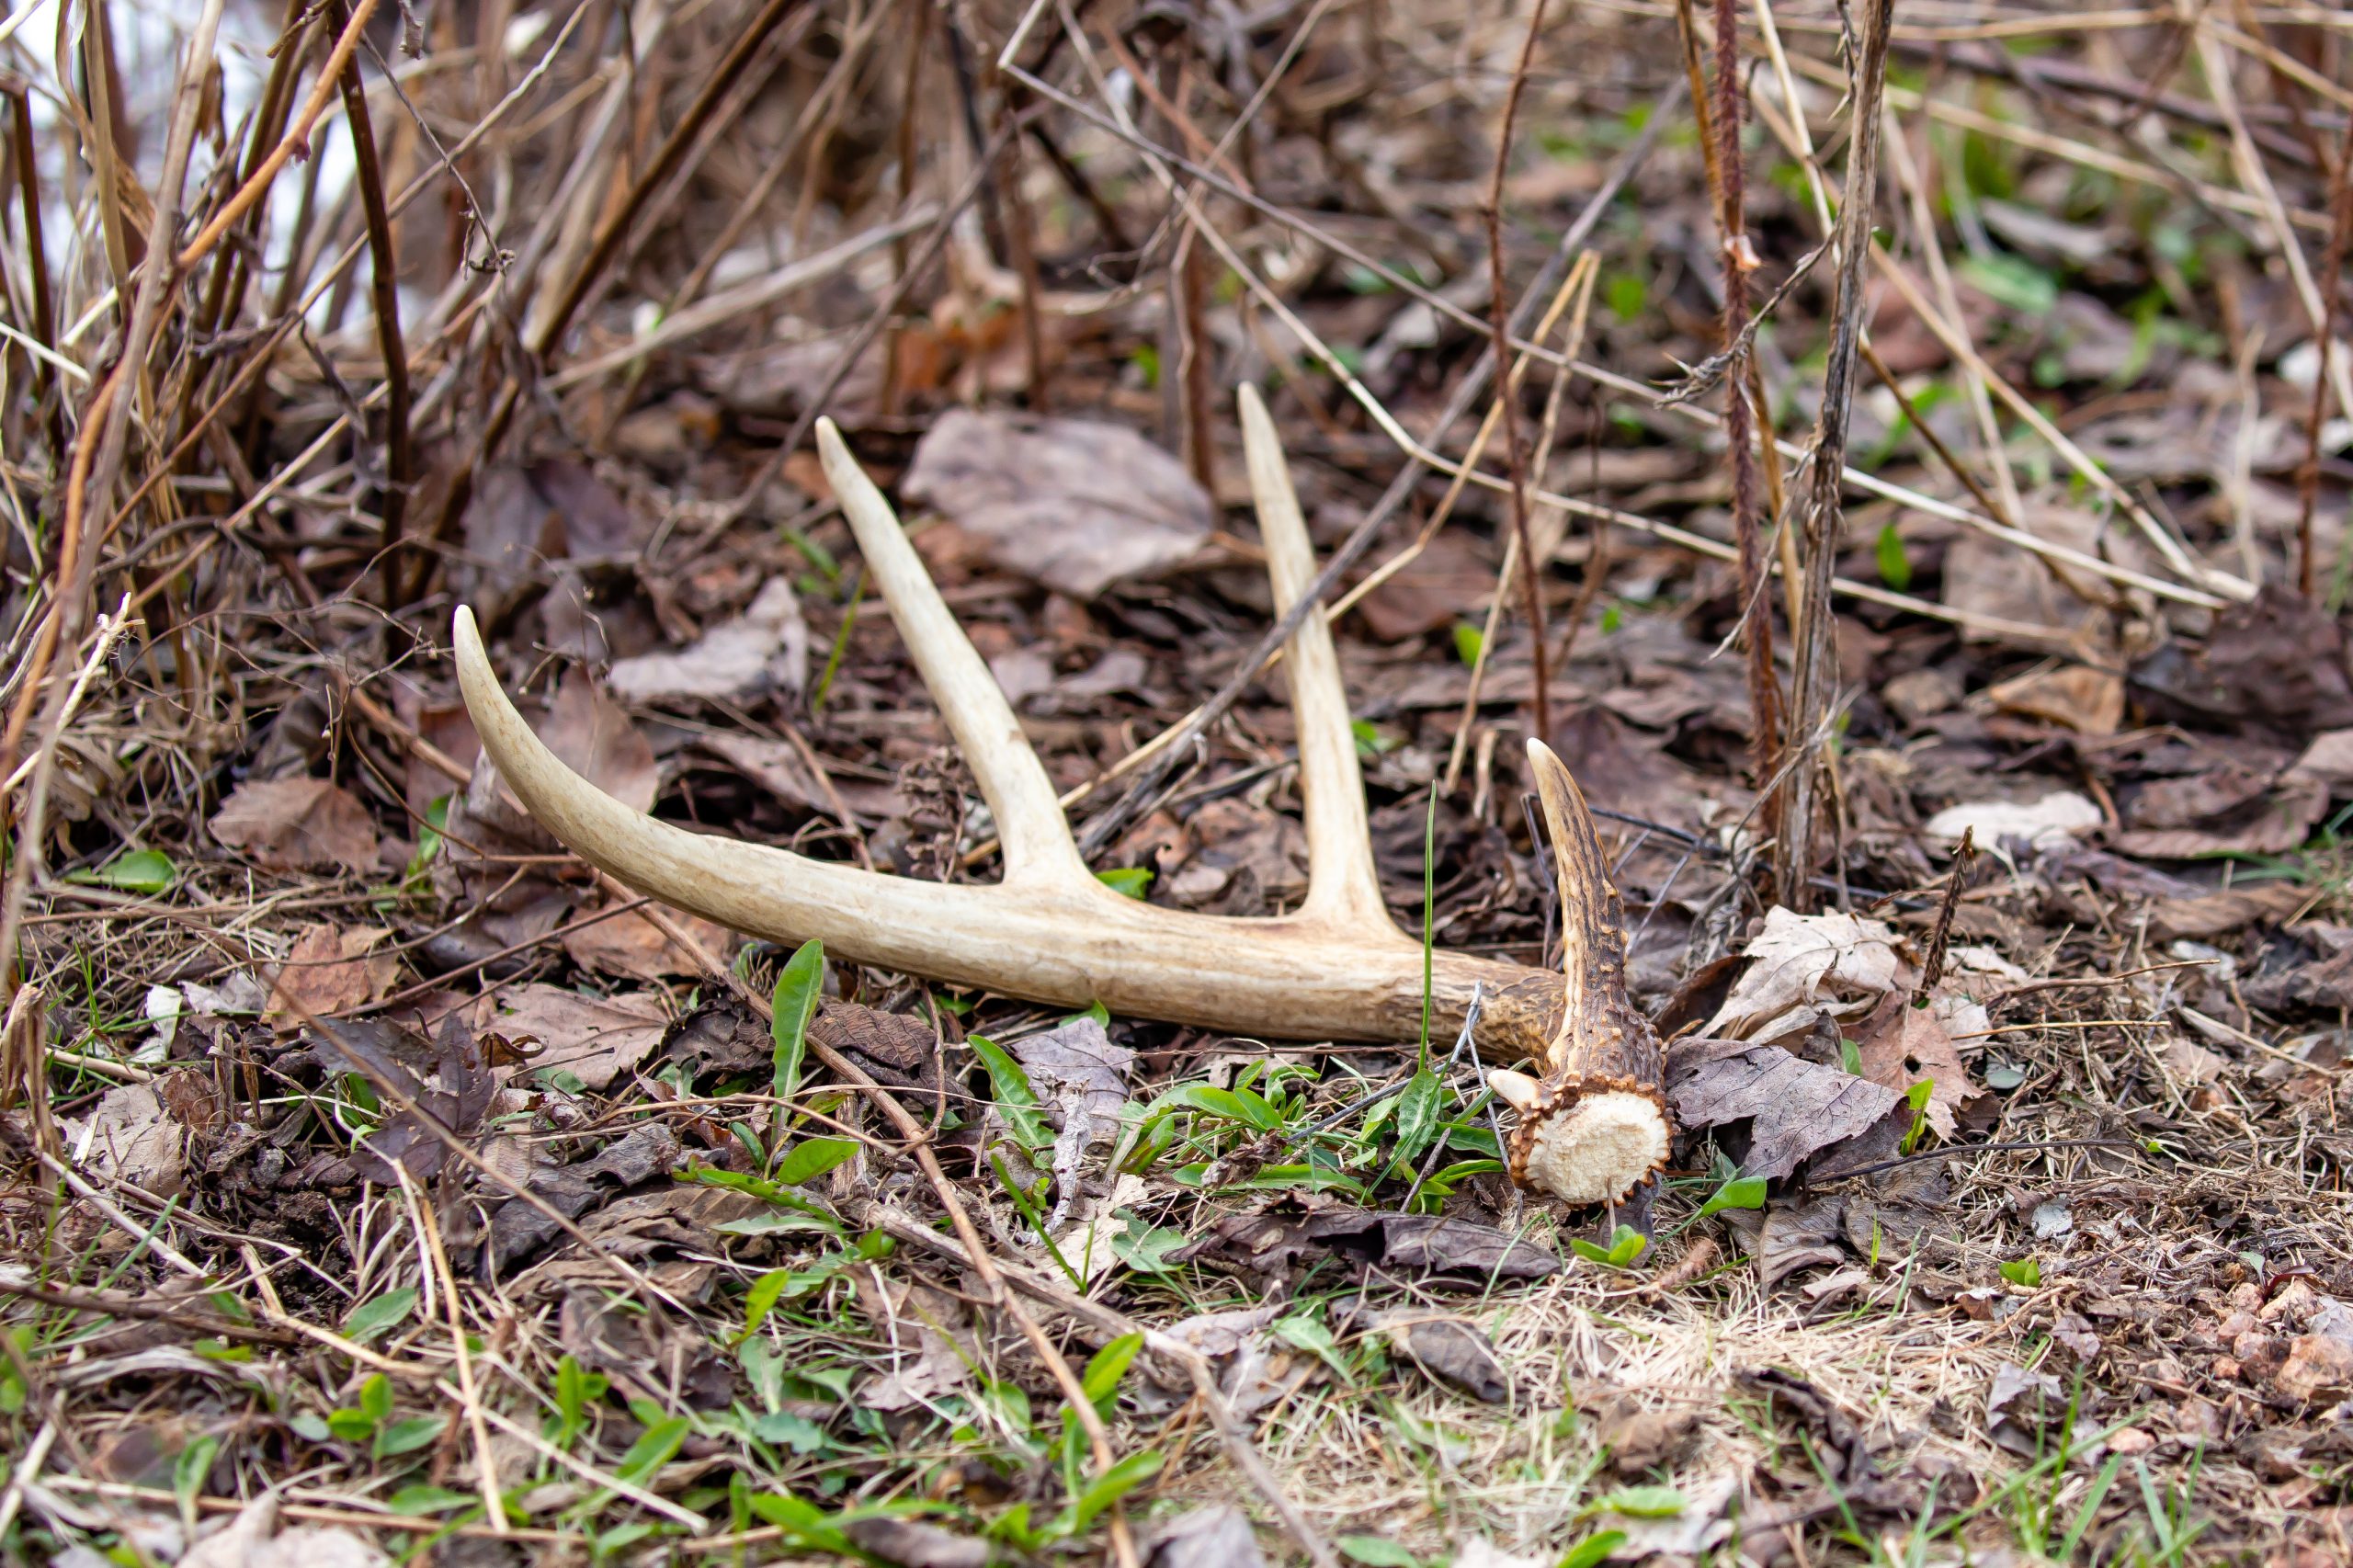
(1739, 260)
(1810, 705)
(1531, 571)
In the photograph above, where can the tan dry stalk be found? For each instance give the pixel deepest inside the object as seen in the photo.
(1813, 693)
(1338, 968)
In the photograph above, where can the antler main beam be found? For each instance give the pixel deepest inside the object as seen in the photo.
(1336, 969)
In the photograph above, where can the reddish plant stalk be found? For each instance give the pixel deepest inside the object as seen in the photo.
(1740, 260)
(1499, 315)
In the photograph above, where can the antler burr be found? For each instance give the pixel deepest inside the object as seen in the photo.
(1338, 968)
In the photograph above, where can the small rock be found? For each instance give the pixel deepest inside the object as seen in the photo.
(2258, 1355)
(2194, 1417)
(2314, 1362)
(2274, 1453)
(2295, 1304)
(2053, 1220)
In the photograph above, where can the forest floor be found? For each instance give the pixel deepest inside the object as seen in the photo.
(381, 1182)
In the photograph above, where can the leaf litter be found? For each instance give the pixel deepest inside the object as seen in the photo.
(1930, 1257)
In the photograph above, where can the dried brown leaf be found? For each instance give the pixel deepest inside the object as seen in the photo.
(1074, 504)
(2077, 697)
(765, 649)
(596, 1039)
(632, 948)
(1901, 1044)
(293, 825)
(1216, 1537)
(331, 970)
(1795, 1108)
(1802, 964)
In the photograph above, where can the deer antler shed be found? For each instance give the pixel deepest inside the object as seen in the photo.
(1592, 1123)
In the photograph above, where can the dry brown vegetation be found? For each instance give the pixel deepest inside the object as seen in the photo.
(378, 1181)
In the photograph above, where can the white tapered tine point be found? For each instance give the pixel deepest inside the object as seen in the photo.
(1341, 882)
(1516, 1090)
(1029, 821)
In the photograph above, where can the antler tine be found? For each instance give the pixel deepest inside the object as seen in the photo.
(1029, 822)
(1595, 1126)
(1342, 886)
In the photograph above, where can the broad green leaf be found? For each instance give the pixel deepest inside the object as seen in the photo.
(1113, 1484)
(376, 1396)
(812, 1157)
(1594, 1549)
(1643, 1502)
(651, 1450)
(1016, 1100)
(351, 1426)
(150, 871)
(189, 1471)
(1894, 565)
(1378, 1550)
(798, 1433)
(792, 1513)
(2014, 282)
(1469, 643)
(798, 989)
(371, 1320)
(762, 1298)
(1108, 1365)
(429, 835)
(1145, 1248)
(758, 1187)
(396, 1438)
(1743, 1192)
(2025, 1273)
(1625, 295)
(1626, 1244)
(417, 1502)
(1130, 880)
(605, 1547)
(1309, 1331)
(1417, 1113)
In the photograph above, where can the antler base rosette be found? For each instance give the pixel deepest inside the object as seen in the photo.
(1592, 1126)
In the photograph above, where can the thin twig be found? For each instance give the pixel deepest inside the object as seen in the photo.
(400, 469)
(37, 262)
(1499, 322)
(1817, 630)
